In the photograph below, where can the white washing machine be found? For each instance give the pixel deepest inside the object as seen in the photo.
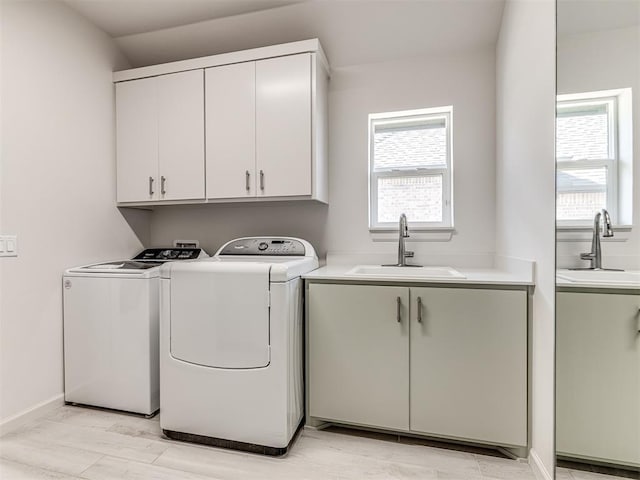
(111, 315)
(231, 345)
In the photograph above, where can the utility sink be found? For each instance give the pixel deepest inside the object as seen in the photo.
(600, 277)
(412, 272)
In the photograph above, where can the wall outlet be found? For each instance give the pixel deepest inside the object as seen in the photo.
(8, 245)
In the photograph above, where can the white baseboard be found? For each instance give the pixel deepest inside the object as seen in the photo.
(538, 467)
(26, 416)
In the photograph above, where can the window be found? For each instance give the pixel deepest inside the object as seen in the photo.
(587, 156)
(410, 168)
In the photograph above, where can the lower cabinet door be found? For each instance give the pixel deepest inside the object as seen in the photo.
(469, 364)
(359, 354)
(598, 376)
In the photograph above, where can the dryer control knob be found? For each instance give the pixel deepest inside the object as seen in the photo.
(263, 246)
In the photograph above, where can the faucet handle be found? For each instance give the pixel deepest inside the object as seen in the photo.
(587, 256)
(408, 254)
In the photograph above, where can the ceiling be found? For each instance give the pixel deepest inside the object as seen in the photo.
(351, 31)
(126, 17)
(582, 16)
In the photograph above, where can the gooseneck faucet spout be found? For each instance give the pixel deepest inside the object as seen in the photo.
(403, 253)
(595, 255)
(607, 230)
(403, 232)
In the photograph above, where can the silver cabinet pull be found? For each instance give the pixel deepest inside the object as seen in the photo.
(419, 309)
(246, 180)
(151, 186)
(399, 304)
(638, 322)
(261, 180)
(163, 181)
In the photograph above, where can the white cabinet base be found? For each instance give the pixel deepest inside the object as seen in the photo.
(358, 367)
(458, 372)
(598, 377)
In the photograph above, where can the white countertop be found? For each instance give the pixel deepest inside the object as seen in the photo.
(474, 276)
(594, 280)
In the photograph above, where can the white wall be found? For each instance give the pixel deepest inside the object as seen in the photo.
(466, 81)
(525, 186)
(58, 185)
(605, 60)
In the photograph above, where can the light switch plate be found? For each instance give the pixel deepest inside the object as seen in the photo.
(8, 245)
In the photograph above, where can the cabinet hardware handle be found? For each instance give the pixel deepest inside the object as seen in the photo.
(638, 322)
(398, 304)
(163, 181)
(261, 180)
(151, 186)
(419, 309)
(246, 180)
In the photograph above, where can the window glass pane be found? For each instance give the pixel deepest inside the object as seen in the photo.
(582, 133)
(419, 197)
(410, 146)
(581, 193)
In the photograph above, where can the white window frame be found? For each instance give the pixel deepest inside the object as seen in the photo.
(610, 164)
(412, 116)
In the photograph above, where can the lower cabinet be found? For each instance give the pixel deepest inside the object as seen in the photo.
(358, 362)
(598, 376)
(445, 362)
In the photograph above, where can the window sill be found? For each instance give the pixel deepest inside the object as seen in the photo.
(583, 233)
(436, 234)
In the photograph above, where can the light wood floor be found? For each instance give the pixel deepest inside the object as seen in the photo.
(74, 442)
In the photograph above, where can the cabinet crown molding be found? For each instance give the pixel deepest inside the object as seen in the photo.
(281, 50)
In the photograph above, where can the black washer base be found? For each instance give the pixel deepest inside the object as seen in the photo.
(107, 409)
(230, 444)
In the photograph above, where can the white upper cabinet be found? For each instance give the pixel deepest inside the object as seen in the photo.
(246, 125)
(231, 130)
(181, 135)
(262, 129)
(160, 138)
(137, 140)
(283, 126)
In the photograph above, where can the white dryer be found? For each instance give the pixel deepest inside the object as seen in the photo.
(231, 345)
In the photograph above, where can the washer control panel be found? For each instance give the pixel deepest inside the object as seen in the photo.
(160, 254)
(264, 246)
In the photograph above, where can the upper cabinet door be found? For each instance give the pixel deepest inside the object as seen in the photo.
(230, 108)
(137, 140)
(283, 126)
(181, 135)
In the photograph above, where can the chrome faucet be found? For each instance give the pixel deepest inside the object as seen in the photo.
(403, 253)
(595, 255)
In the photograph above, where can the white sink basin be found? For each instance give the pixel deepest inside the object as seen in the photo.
(378, 271)
(600, 277)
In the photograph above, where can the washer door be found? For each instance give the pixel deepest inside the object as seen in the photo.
(220, 314)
